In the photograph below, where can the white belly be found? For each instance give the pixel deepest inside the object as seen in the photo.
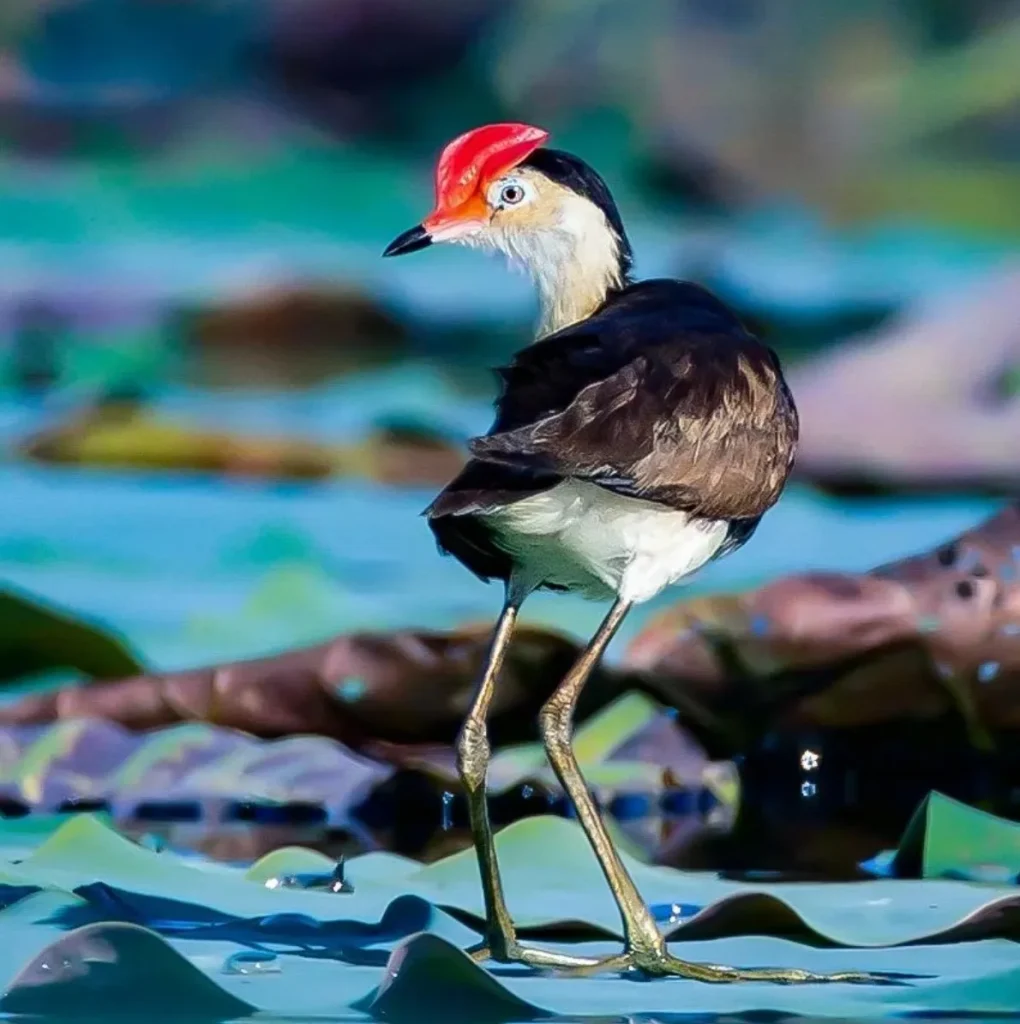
(583, 537)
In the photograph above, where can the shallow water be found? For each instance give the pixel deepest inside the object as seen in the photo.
(193, 568)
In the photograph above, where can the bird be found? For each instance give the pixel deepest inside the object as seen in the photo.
(643, 433)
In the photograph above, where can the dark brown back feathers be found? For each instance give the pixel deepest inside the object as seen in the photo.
(661, 394)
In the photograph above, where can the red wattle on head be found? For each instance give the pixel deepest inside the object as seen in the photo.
(473, 159)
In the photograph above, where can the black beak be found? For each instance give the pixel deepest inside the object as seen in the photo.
(410, 241)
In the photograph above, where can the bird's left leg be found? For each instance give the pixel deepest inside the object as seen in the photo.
(473, 755)
(645, 946)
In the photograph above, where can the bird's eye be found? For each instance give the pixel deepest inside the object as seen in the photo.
(510, 191)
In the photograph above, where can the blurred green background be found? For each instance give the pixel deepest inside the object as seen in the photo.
(222, 412)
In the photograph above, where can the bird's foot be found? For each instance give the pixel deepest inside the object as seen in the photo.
(656, 962)
(514, 953)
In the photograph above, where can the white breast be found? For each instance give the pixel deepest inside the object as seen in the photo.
(582, 537)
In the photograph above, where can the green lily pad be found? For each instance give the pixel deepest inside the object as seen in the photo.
(436, 973)
(427, 969)
(170, 744)
(116, 968)
(552, 881)
(36, 638)
(33, 829)
(288, 860)
(947, 838)
(225, 943)
(594, 741)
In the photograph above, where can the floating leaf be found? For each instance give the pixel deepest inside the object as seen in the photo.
(37, 638)
(116, 968)
(327, 952)
(288, 860)
(427, 971)
(947, 838)
(594, 741)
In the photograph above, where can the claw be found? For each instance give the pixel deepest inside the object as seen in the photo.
(661, 964)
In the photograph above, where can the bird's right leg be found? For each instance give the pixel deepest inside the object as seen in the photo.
(473, 756)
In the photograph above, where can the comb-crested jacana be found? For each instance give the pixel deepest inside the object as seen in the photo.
(644, 434)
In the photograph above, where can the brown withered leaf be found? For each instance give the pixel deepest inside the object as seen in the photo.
(928, 635)
(404, 688)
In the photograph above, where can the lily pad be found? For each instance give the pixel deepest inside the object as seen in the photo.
(115, 968)
(437, 972)
(594, 741)
(112, 914)
(949, 839)
(38, 638)
(553, 884)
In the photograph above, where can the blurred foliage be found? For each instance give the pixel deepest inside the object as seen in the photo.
(35, 639)
(841, 104)
(835, 103)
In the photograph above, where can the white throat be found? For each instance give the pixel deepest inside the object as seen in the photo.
(574, 263)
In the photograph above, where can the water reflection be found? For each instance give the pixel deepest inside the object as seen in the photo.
(811, 808)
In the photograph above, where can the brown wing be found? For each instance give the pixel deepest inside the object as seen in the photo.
(701, 421)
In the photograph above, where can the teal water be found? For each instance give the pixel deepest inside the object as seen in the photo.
(192, 568)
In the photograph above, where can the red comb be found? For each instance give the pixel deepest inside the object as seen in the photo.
(479, 156)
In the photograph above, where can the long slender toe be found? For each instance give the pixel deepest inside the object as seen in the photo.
(661, 964)
(713, 973)
(533, 957)
(545, 958)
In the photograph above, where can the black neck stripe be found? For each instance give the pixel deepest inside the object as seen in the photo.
(573, 173)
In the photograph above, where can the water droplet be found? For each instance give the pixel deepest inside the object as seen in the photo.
(527, 791)
(251, 962)
(339, 881)
(808, 790)
(447, 811)
(809, 760)
(1010, 629)
(674, 913)
(760, 624)
(351, 689)
(987, 671)
(928, 623)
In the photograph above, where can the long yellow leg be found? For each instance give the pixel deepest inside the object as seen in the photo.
(473, 756)
(645, 947)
